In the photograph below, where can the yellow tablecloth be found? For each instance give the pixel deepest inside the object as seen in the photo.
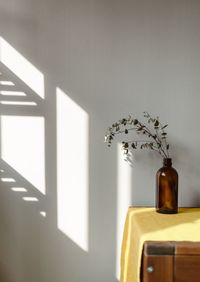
(144, 224)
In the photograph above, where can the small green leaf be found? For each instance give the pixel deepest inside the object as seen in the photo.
(133, 146)
(126, 131)
(117, 128)
(164, 126)
(146, 114)
(151, 146)
(156, 123)
(139, 129)
(124, 121)
(126, 145)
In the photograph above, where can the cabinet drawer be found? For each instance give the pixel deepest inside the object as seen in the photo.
(170, 261)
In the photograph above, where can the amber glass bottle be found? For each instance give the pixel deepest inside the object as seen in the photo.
(167, 188)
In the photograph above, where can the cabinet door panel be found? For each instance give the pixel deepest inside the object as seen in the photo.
(187, 268)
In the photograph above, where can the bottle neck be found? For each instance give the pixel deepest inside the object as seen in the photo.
(167, 162)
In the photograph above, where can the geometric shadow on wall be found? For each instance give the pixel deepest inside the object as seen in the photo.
(22, 125)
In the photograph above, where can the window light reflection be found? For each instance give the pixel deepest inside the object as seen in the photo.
(6, 179)
(12, 93)
(18, 103)
(21, 67)
(72, 169)
(43, 213)
(30, 199)
(123, 200)
(19, 189)
(22, 147)
(9, 83)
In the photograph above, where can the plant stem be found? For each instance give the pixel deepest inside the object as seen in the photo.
(136, 141)
(157, 137)
(160, 142)
(165, 141)
(122, 131)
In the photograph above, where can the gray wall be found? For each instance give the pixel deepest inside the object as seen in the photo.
(112, 58)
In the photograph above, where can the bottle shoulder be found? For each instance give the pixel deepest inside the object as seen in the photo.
(167, 170)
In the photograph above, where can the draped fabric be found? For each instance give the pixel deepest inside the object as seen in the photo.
(144, 224)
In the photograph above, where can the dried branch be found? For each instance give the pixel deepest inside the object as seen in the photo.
(155, 131)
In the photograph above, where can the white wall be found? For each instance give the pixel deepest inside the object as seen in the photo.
(111, 58)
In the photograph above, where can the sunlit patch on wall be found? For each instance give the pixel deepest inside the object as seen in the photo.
(123, 200)
(19, 189)
(72, 169)
(7, 179)
(12, 93)
(22, 103)
(5, 82)
(22, 147)
(30, 199)
(21, 67)
(43, 213)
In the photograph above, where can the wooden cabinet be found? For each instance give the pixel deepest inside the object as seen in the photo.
(165, 244)
(170, 261)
